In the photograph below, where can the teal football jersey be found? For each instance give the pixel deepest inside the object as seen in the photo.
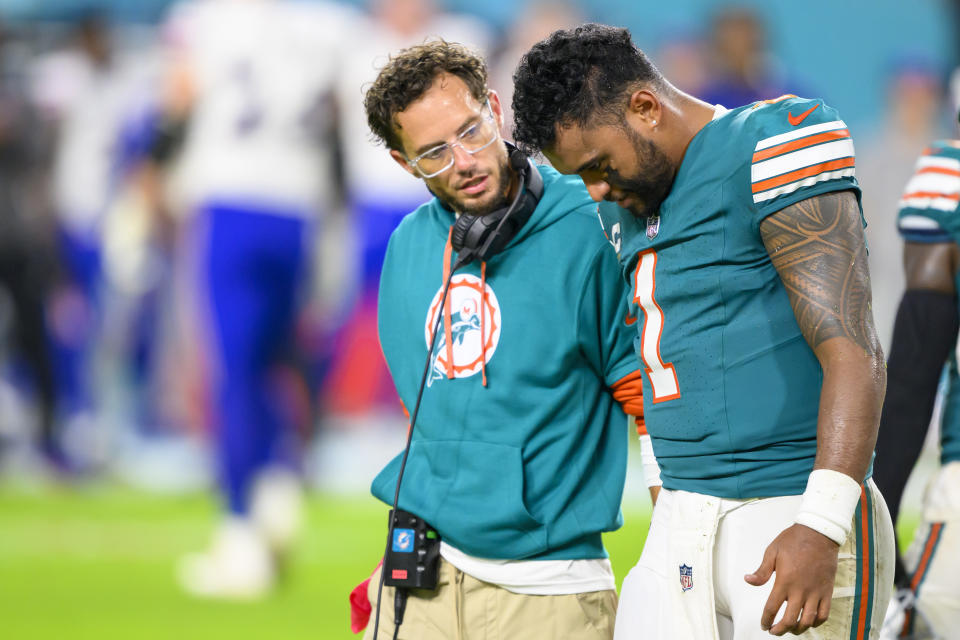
(929, 212)
(731, 387)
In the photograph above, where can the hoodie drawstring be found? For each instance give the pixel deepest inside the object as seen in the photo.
(447, 330)
(483, 314)
(447, 322)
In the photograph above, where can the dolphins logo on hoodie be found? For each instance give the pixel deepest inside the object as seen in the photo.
(474, 329)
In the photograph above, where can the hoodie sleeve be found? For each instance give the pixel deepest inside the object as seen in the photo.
(605, 320)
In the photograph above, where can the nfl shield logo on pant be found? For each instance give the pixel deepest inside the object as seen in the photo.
(686, 577)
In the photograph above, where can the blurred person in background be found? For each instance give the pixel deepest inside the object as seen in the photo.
(378, 192)
(536, 20)
(86, 91)
(683, 59)
(924, 344)
(519, 455)
(27, 254)
(244, 105)
(741, 68)
(888, 162)
(911, 119)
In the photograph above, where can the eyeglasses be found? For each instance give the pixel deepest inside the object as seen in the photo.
(475, 138)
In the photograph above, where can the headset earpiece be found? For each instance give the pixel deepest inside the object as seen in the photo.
(461, 228)
(518, 159)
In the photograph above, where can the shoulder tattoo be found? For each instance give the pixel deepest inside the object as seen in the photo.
(818, 248)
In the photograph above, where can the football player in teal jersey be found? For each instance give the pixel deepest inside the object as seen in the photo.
(924, 338)
(740, 236)
(518, 453)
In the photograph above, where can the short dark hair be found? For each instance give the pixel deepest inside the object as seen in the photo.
(407, 76)
(574, 76)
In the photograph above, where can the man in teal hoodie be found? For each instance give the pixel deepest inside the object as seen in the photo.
(519, 447)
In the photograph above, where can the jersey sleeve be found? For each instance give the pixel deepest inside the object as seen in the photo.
(801, 149)
(605, 326)
(930, 200)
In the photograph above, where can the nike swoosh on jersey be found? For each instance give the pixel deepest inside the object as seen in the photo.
(803, 116)
(629, 320)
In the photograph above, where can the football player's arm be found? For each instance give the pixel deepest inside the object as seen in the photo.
(629, 393)
(818, 248)
(651, 468)
(924, 332)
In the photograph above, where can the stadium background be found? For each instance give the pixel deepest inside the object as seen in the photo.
(89, 550)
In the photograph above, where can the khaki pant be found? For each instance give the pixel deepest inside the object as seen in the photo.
(464, 608)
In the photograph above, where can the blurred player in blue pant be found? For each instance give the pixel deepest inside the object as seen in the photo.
(248, 77)
(84, 85)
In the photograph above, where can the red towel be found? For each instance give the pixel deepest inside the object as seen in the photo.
(360, 606)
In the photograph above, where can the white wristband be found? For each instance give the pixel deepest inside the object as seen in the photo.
(828, 503)
(651, 470)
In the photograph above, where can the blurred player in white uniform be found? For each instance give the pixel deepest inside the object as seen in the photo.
(246, 98)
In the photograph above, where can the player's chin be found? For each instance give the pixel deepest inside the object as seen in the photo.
(645, 208)
(638, 209)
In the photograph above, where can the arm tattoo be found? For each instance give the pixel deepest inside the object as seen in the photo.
(817, 246)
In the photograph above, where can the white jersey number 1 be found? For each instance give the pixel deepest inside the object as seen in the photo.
(662, 376)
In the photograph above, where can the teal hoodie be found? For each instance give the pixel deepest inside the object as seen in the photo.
(519, 450)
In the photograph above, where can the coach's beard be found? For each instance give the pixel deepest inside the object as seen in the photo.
(505, 178)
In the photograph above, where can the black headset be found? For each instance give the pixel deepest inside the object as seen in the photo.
(482, 237)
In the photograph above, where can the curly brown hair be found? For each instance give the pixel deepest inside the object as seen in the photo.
(407, 76)
(576, 76)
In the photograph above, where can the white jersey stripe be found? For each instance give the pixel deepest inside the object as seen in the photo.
(918, 223)
(806, 182)
(933, 182)
(939, 162)
(940, 204)
(800, 133)
(801, 158)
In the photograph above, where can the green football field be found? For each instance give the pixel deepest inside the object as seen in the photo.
(99, 563)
